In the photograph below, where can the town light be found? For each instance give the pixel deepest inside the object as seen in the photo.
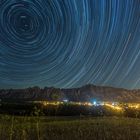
(94, 102)
(65, 100)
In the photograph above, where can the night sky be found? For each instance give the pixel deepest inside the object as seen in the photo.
(69, 43)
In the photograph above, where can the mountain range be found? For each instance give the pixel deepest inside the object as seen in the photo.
(85, 93)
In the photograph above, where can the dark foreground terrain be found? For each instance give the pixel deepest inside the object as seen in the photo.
(68, 128)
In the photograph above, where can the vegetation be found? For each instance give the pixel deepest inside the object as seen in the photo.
(68, 128)
(55, 94)
(37, 121)
(67, 109)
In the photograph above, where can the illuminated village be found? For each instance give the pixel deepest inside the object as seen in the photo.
(113, 105)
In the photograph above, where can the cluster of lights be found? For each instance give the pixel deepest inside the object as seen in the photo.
(112, 105)
(136, 106)
(51, 103)
(45, 103)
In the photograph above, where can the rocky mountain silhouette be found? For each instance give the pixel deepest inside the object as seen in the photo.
(85, 93)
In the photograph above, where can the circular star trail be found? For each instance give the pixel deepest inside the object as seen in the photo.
(69, 43)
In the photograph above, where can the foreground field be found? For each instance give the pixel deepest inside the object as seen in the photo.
(68, 128)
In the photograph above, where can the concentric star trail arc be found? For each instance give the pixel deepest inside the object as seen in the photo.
(69, 43)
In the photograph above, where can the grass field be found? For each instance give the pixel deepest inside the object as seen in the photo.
(68, 128)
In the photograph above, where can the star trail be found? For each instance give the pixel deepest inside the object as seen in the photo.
(69, 43)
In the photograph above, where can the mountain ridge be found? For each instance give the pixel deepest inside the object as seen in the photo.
(84, 93)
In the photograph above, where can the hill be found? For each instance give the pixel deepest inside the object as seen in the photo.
(84, 93)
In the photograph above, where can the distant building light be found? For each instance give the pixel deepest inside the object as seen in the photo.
(102, 103)
(113, 103)
(65, 100)
(94, 102)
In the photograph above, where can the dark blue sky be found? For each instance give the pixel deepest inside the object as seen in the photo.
(69, 43)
